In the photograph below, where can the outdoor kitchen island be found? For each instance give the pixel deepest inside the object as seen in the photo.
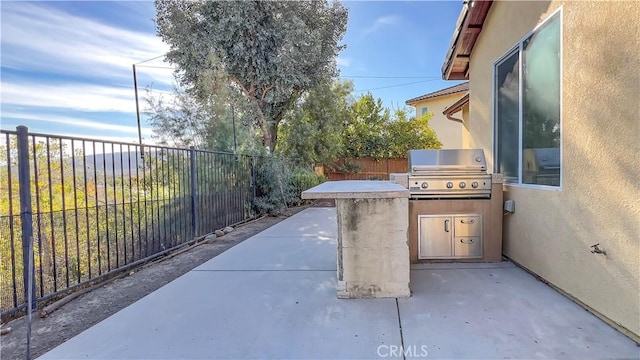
(372, 251)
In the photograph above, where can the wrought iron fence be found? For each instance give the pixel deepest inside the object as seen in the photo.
(93, 207)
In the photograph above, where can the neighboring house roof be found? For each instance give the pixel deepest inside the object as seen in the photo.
(442, 92)
(470, 22)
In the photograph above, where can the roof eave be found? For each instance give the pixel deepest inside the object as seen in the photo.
(468, 28)
(438, 93)
(457, 106)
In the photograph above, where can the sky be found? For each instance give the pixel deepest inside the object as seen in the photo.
(66, 67)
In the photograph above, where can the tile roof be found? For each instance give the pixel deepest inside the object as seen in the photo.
(446, 91)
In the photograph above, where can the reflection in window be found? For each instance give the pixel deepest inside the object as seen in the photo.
(541, 106)
(527, 109)
(507, 115)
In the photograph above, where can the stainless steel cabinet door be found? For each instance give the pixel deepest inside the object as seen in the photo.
(468, 225)
(435, 235)
(470, 247)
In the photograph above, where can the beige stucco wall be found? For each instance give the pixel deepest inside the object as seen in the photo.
(449, 132)
(551, 231)
(466, 135)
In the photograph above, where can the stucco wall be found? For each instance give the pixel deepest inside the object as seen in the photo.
(551, 231)
(449, 132)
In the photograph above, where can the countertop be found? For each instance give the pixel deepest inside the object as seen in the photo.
(356, 189)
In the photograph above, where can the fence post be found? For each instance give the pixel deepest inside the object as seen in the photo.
(194, 208)
(26, 214)
(253, 183)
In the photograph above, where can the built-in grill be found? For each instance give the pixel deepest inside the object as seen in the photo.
(449, 173)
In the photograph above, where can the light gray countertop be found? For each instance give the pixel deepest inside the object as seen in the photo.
(356, 189)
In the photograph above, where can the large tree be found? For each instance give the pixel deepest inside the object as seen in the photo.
(373, 131)
(405, 133)
(312, 132)
(270, 51)
(183, 120)
(363, 134)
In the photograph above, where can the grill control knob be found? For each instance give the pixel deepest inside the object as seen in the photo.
(462, 185)
(449, 185)
(474, 184)
(424, 185)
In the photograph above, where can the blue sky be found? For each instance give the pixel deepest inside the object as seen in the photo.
(66, 66)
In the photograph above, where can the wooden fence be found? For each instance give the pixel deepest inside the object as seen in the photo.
(365, 168)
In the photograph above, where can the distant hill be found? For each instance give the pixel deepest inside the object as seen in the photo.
(112, 162)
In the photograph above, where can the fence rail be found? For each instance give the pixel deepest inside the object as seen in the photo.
(93, 207)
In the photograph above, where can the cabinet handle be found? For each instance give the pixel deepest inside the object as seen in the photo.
(468, 221)
(446, 225)
(470, 241)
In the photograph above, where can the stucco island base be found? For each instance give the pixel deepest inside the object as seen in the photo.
(372, 251)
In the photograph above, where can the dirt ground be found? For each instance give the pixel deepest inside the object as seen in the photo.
(112, 296)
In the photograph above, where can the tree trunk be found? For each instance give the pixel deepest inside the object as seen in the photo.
(267, 138)
(274, 136)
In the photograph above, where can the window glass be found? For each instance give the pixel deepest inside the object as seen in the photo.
(507, 116)
(541, 106)
(424, 111)
(527, 112)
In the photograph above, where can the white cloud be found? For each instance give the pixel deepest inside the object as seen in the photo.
(39, 38)
(73, 96)
(381, 22)
(76, 97)
(68, 64)
(78, 122)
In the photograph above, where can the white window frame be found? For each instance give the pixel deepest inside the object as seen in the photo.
(519, 48)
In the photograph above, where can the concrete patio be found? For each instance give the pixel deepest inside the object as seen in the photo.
(274, 296)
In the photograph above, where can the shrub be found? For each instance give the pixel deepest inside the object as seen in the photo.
(279, 184)
(305, 179)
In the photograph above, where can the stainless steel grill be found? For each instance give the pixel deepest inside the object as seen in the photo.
(450, 173)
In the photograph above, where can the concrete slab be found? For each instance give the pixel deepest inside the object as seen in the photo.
(313, 252)
(306, 241)
(240, 315)
(501, 312)
(261, 300)
(310, 222)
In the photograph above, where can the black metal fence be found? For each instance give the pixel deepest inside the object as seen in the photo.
(92, 207)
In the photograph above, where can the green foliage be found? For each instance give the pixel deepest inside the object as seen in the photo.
(185, 120)
(312, 132)
(372, 131)
(272, 178)
(302, 180)
(363, 134)
(270, 51)
(280, 185)
(404, 133)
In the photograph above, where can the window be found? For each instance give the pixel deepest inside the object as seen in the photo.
(527, 108)
(424, 111)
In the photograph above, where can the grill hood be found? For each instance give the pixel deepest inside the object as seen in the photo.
(447, 161)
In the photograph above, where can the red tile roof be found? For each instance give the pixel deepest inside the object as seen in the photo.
(446, 91)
